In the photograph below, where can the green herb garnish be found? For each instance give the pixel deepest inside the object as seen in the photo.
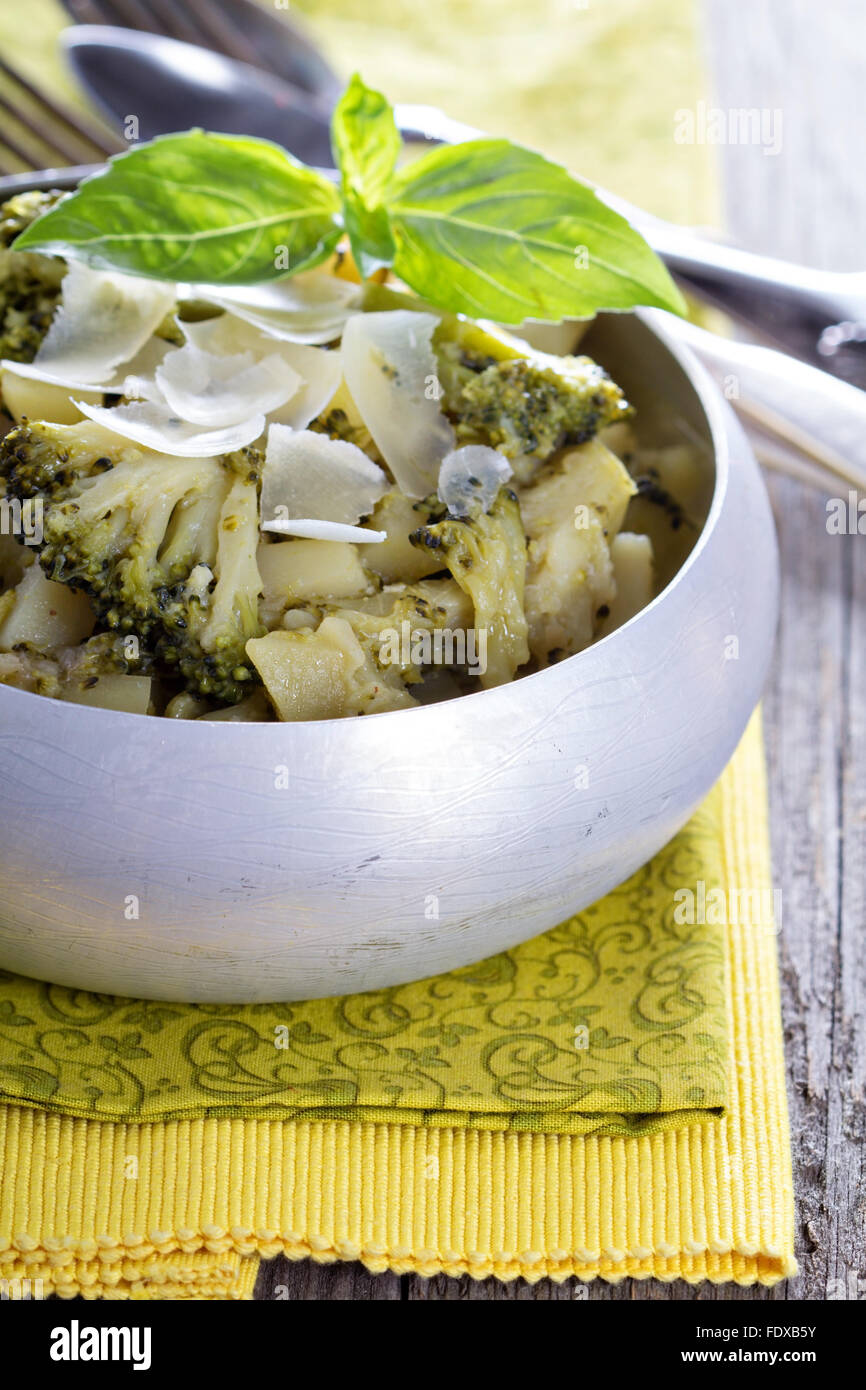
(484, 228)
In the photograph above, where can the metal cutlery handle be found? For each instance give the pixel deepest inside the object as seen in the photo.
(427, 125)
(813, 401)
(830, 296)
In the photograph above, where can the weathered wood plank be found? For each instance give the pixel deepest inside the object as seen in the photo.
(806, 204)
(299, 1281)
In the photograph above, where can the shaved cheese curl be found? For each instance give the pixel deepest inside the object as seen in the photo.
(310, 528)
(391, 371)
(308, 476)
(312, 307)
(470, 478)
(213, 389)
(103, 319)
(153, 425)
(320, 369)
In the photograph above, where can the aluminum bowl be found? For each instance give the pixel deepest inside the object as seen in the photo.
(165, 859)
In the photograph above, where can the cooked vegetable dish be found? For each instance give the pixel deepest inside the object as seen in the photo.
(310, 499)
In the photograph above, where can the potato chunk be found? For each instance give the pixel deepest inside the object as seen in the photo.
(632, 558)
(131, 694)
(27, 399)
(46, 614)
(571, 514)
(397, 559)
(324, 674)
(293, 572)
(588, 476)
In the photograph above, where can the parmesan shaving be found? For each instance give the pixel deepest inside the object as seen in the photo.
(217, 390)
(152, 424)
(32, 372)
(142, 365)
(312, 307)
(313, 529)
(310, 477)
(391, 372)
(103, 320)
(470, 478)
(320, 369)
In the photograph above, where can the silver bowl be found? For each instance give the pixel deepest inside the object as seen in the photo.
(165, 859)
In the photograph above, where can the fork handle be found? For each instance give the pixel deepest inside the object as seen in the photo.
(829, 295)
(66, 177)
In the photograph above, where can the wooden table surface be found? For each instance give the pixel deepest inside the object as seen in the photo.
(807, 203)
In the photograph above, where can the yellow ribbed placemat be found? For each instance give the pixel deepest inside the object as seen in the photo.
(92, 1207)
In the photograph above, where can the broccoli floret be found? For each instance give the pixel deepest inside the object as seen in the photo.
(29, 283)
(164, 547)
(486, 554)
(17, 213)
(527, 406)
(497, 390)
(520, 407)
(104, 654)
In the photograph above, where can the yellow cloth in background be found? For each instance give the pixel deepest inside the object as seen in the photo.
(594, 84)
(183, 1207)
(102, 1208)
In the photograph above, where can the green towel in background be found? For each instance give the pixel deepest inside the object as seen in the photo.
(594, 84)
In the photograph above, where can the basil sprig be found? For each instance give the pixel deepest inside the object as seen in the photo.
(366, 145)
(485, 228)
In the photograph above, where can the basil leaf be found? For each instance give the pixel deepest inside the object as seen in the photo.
(221, 209)
(366, 140)
(493, 230)
(370, 235)
(366, 144)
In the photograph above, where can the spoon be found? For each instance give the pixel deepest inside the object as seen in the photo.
(272, 37)
(165, 85)
(169, 85)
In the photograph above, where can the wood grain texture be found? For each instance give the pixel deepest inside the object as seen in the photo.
(808, 203)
